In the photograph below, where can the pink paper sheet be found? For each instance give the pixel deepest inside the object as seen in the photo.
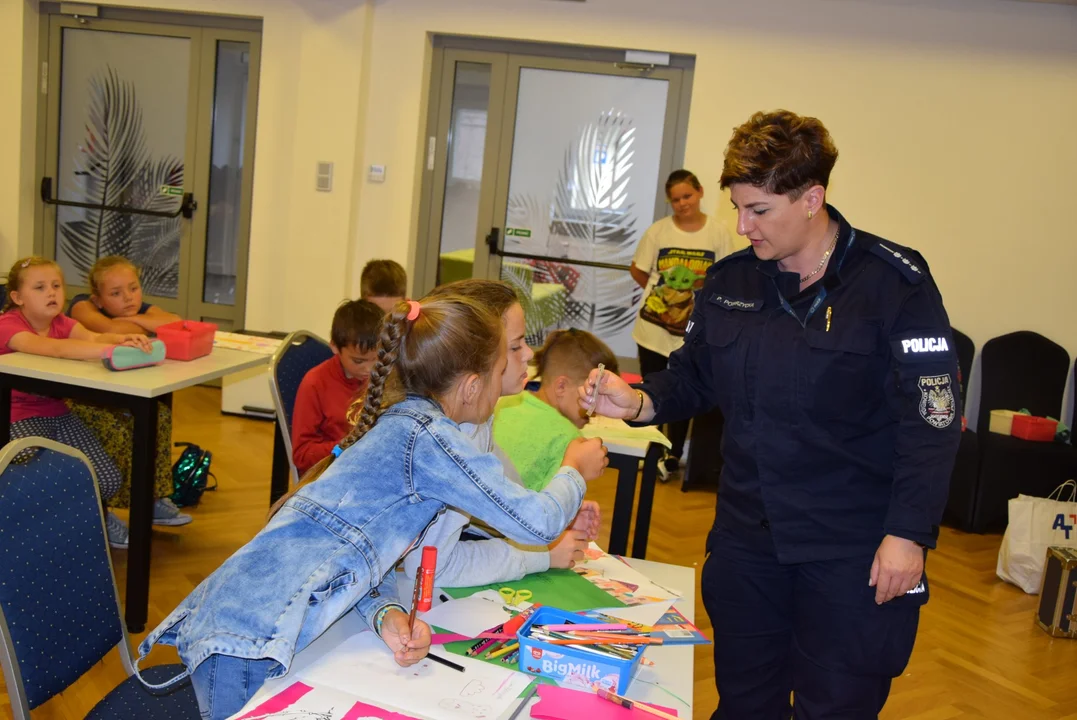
(362, 710)
(557, 703)
(296, 691)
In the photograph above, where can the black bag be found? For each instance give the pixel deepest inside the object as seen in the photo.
(190, 475)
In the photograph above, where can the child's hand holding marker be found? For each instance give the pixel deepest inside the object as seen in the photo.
(409, 644)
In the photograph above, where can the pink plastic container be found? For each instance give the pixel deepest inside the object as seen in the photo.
(187, 339)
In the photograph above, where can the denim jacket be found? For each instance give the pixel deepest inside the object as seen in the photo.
(335, 544)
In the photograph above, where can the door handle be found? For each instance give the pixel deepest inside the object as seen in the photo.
(186, 208)
(492, 238)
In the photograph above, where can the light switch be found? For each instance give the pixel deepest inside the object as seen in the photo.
(376, 174)
(324, 179)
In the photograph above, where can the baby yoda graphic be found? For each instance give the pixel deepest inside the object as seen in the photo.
(670, 301)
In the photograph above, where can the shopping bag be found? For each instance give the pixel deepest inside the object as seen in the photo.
(1035, 524)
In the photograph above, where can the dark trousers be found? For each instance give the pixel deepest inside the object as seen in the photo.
(811, 629)
(677, 432)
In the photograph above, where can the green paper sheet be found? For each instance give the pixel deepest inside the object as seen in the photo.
(560, 588)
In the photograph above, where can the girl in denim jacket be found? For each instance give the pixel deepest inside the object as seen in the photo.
(334, 544)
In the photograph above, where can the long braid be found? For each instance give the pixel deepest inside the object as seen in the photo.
(394, 329)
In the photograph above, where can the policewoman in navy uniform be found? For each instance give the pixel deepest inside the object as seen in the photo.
(829, 353)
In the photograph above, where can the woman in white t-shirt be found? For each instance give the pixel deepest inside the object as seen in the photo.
(670, 264)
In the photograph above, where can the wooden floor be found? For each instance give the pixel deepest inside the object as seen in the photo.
(978, 654)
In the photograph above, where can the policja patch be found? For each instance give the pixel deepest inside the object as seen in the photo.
(937, 405)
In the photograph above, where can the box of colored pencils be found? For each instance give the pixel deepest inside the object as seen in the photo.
(577, 652)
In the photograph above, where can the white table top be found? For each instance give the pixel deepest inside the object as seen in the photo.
(621, 438)
(673, 667)
(169, 376)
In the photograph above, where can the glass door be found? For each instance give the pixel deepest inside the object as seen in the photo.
(586, 149)
(135, 112)
(545, 172)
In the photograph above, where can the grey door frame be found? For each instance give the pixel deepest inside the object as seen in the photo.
(228, 317)
(198, 146)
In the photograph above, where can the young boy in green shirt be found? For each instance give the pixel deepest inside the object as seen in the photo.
(534, 429)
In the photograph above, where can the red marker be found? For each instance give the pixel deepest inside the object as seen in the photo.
(427, 569)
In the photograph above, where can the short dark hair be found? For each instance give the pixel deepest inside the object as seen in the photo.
(356, 322)
(383, 278)
(682, 176)
(780, 152)
(573, 353)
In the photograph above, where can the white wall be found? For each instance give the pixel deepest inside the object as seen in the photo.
(954, 118)
(18, 97)
(308, 110)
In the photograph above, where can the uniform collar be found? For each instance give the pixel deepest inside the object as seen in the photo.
(846, 251)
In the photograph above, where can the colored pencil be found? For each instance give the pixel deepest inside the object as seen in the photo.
(527, 698)
(503, 651)
(604, 641)
(446, 663)
(633, 705)
(584, 627)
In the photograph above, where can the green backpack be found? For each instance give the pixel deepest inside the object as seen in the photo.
(190, 475)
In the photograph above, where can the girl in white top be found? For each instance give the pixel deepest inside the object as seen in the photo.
(670, 264)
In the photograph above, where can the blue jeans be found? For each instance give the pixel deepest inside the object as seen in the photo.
(223, 684)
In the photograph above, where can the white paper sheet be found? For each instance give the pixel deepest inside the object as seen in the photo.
(303, 702)
(468, 616)
(647, 614)
(625, 583)
(364, 667)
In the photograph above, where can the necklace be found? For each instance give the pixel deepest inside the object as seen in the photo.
(813, 273)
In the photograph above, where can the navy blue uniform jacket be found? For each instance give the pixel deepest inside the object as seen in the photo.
(841, 403)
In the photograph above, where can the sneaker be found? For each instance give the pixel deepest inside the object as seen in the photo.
(117, 532)
(668, 468)
(165, 512)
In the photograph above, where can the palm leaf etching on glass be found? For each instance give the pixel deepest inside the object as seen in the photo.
(588, 217)
(115, 167)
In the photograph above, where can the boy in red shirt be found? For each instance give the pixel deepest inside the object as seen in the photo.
(320, 416)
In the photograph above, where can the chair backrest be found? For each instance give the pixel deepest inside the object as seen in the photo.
(59, 608)
(295, 357)
(966, 351)
(1022, 370)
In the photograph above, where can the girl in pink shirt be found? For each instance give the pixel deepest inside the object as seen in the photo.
(33, 322)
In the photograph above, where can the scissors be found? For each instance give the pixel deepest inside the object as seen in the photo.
(514, 597)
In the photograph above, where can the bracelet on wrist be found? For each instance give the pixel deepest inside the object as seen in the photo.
(380, 616)
(639, 410)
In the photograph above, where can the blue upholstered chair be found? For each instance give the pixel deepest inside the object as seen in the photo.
(59, 608)
(295, 357)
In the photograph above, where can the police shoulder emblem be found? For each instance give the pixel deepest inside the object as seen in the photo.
(937, 405)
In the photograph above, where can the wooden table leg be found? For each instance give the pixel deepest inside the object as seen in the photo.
(627, 467)
(143, 454)
(646, 500)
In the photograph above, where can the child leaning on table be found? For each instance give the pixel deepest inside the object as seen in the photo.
(469, 551)
(33, 322)
(334, 543)
(115, 305)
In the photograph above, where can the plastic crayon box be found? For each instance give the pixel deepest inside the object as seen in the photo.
(570, 666)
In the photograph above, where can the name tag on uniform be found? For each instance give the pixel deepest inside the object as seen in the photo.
(731, 303)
